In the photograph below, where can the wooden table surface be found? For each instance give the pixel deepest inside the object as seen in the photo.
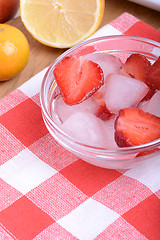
(41, 55)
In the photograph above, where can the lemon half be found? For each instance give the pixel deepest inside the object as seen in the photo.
(61, 23)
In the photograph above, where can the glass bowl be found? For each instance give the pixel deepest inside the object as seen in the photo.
(127, 157)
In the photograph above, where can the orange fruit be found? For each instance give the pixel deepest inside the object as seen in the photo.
(59, 23)
(14, 51)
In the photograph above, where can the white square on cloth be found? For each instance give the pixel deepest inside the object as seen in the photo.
(25, 171)
(81, 222)
(147, 172)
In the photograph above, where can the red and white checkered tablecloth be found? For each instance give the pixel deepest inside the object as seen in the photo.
(47, 193)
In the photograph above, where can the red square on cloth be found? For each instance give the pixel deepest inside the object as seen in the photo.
(145, 217)
(142, 29)
(25, 122)
(84, 176)
(24, 219)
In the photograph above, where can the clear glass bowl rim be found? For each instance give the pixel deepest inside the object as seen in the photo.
(45, 112)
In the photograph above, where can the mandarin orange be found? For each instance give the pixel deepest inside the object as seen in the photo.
(14, 51)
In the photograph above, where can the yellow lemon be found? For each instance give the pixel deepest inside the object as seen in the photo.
(61, 23)
(14, 51)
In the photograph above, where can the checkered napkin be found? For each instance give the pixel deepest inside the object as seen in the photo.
(47, 193)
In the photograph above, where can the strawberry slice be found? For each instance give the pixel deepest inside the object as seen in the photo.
(153, 76)
(78, 79)
(136, 66)
(103, 113)
(133, 126)
(149, 95)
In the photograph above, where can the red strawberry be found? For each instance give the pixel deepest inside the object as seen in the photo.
(133, 126)
(149, 95)
(103, 113)
(153, 76)
(78, 79)
(136, 66)
(143, 153)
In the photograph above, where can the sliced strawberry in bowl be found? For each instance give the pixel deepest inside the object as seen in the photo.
(136, 66)
(133, 126)
(149, 95)
(78, 78)
(103, 113)
(153, 76)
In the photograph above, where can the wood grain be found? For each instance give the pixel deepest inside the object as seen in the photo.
(42, 56)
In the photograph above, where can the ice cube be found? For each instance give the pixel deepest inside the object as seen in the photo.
(109, 63)
(152, 106)
(122, 92)
(63, 111)
(86, 128)
(142, 105)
